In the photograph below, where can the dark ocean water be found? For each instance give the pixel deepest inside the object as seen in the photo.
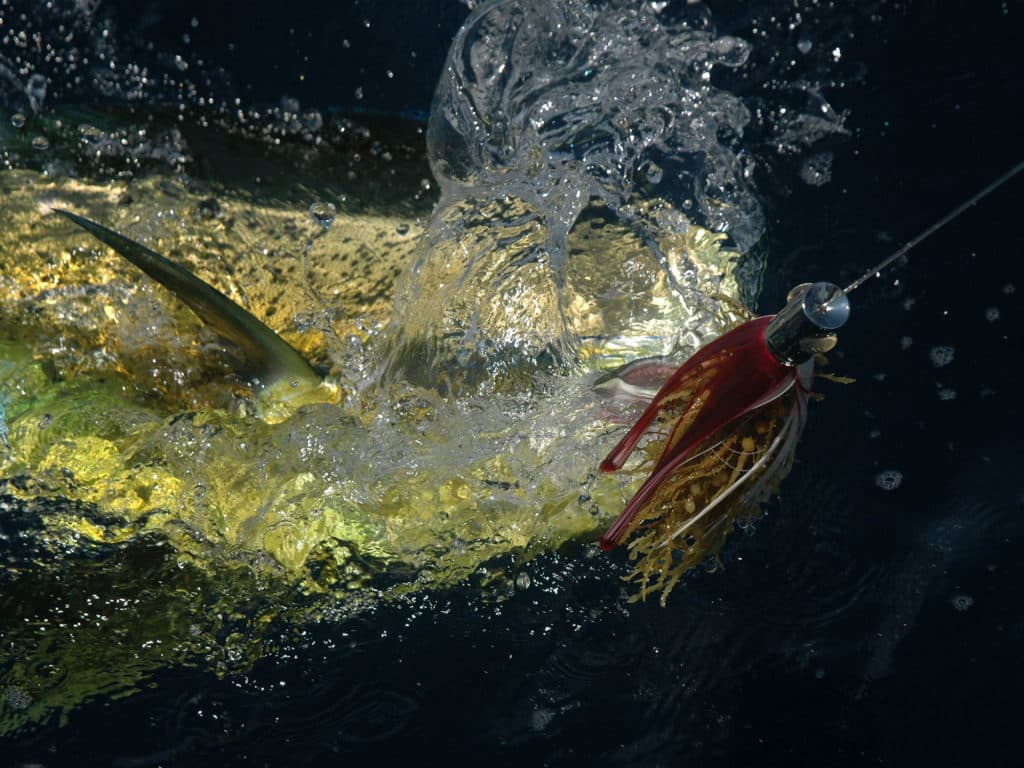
(858, 626)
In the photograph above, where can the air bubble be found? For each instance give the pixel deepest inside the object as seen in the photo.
(992, 314)
(18, 120)
(523, 581)
(323, 213)
(40, 143)
(889, 479)
(804, 45)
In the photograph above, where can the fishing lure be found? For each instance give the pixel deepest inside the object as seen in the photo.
(722, 429)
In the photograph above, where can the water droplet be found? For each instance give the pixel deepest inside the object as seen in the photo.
(90, 132)
(17, 120)
(889, 479)
(961, 602)
(541, 718)
(941, 356)
(304, 321)
(817, 169)
(312, 120)
(323, 213)
(654, 173)
(40, 143)
(35, 89)
(732, 51)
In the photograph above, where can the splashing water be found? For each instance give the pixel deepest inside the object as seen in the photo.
(590, 172)
(549, 109)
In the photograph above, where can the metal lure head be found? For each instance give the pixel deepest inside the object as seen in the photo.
(806, 325)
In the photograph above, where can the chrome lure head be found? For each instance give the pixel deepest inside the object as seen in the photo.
(806, 325)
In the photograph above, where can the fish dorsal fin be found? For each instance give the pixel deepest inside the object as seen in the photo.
(274, 362)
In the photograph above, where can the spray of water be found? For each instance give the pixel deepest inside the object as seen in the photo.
(548, 109)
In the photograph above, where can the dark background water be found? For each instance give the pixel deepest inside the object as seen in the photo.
(858, 626)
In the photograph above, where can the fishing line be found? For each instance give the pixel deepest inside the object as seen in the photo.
(973, 200)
